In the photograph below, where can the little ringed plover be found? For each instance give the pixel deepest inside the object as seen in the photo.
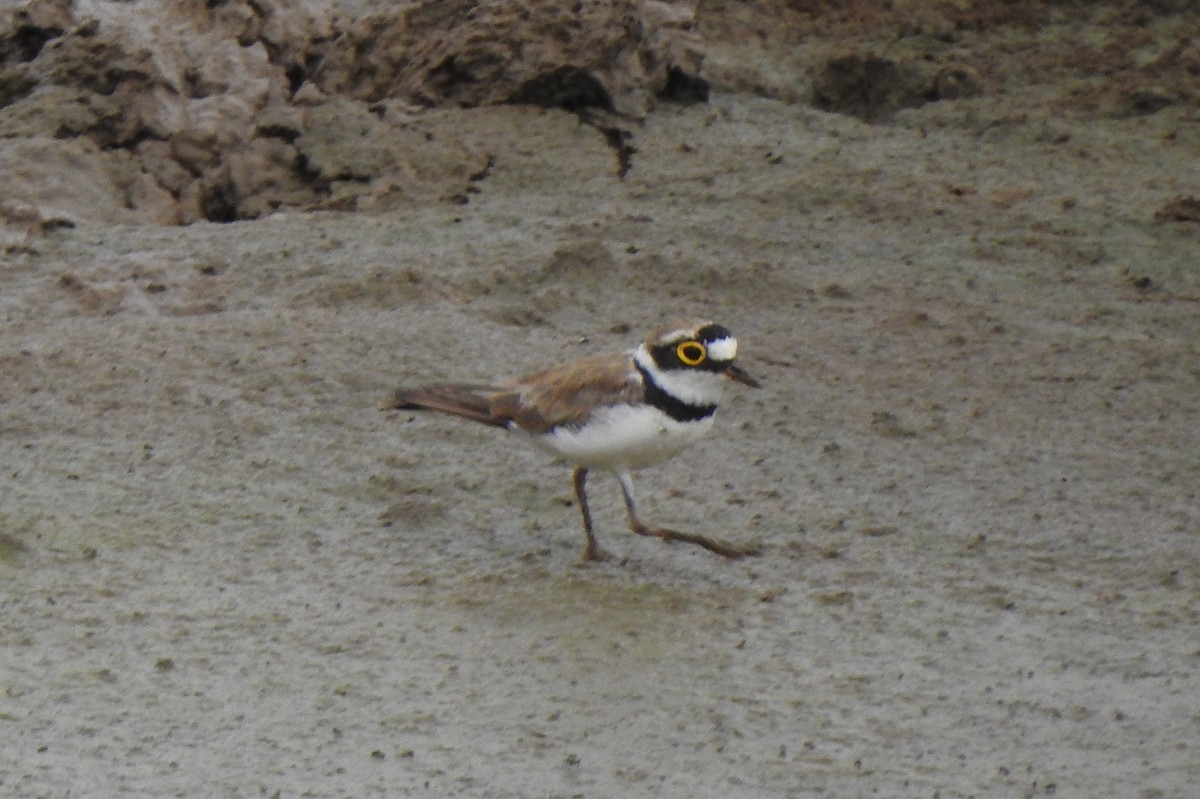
(617, 412)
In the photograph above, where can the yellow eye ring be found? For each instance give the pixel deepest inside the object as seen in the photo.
(691, 353)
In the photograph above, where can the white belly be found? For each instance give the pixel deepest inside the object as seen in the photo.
(623, 438)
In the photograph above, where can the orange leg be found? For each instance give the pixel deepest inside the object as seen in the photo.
(711, 544)
(592, 551)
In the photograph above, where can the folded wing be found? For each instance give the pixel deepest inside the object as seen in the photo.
(567, 394)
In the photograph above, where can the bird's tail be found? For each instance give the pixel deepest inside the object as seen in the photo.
(469, 401)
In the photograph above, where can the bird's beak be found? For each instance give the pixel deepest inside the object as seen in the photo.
(739, 374)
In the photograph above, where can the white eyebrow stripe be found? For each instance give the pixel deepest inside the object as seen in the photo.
(723, 349)
(677, 334)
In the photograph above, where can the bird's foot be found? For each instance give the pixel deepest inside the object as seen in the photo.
(715, 545)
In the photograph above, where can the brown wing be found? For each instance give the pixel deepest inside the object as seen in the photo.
(568, 393)
(472, 402)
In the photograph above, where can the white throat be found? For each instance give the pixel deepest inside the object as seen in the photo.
(697, 387)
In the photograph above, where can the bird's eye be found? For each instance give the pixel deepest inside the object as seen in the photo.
(691, 353)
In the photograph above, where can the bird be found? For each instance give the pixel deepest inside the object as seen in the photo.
(616, 412)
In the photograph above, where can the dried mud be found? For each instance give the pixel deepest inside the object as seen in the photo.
(973, 468)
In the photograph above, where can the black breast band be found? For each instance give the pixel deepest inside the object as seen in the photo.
(671, 405)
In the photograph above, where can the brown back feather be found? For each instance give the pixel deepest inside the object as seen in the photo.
(566, 394)
(561, 395)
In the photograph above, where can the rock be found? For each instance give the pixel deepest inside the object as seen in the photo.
(67, 180)
(33, 24)
(613, 54)
(233, 109)
(352, 153)
(873, 88)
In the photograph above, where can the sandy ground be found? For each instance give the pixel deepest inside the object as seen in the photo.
(973, 468)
